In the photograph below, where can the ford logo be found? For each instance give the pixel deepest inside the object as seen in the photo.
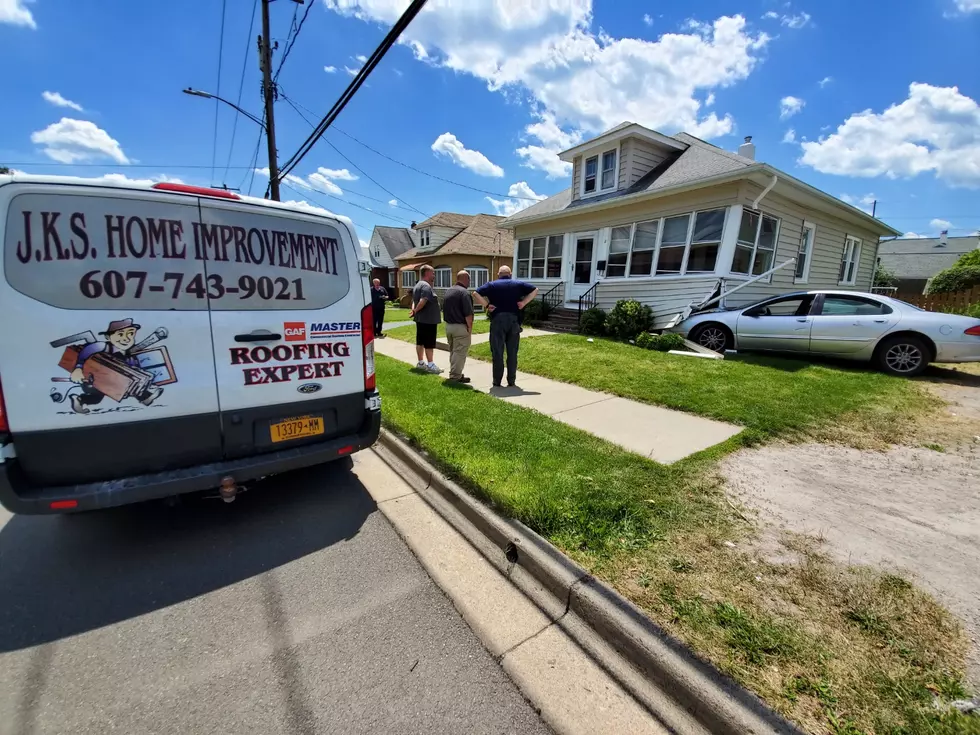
(309, 388)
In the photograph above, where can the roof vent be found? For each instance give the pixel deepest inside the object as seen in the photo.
(747, 149)
(942, 239)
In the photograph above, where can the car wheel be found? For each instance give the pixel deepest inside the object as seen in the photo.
(906, 356)
(713, 336)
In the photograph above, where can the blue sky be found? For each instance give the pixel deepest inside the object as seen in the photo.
(857, 99)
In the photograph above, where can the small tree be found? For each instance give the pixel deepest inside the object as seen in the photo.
(628, 318)
(884, 277)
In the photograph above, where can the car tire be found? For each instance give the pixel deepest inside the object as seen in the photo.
(714, 336)
(903, 355)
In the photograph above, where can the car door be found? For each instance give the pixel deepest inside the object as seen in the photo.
(287, 301)
(781, 324)
(106, 362)
(849, 323)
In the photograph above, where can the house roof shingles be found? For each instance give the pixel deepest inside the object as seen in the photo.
(479, 236)
(923, 257)
(447, 219)
(394, 241)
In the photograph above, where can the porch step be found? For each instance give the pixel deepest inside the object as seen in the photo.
(561, 319)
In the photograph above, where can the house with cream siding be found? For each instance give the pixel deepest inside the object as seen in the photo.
(673, 222)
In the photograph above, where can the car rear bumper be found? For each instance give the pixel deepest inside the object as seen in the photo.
(958, 351)
(17, 496)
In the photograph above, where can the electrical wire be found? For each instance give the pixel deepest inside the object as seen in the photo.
(366, 175)
(291, 41)
(339, 199)
(297, 191)
(241, 86)
(255, 157)
(217, 92)
(396, 30)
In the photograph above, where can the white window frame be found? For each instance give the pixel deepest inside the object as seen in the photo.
(530, 259)
(424, 238)
(444, 277)
(850, 261)
(755, 244)
(692, 219)
(475, 282)
(409, 278)
(808, 254)
(599, 188)
(391, 279)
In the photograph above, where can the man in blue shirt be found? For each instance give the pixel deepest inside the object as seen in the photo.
(504, 299)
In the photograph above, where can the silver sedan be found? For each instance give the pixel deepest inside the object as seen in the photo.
(898, 338)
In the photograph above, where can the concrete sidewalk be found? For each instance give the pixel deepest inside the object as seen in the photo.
(660, 434)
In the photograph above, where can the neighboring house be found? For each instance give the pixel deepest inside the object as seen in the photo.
(387, 243)
(454, 242)
(673, 221)
(915, 260)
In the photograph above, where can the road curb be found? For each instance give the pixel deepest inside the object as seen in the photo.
(715, 701)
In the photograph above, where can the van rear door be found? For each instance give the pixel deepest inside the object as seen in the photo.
(105, 351)
(286, 303)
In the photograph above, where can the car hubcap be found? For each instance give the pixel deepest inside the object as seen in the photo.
(712, 338)
(903, 358)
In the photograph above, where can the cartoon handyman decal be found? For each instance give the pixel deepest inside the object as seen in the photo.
(117, 367)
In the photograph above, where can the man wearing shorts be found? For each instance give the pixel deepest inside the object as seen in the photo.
(425, 312)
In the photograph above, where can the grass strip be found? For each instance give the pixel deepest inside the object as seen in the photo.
(407, 333)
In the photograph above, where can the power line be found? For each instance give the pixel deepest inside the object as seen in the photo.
(241, 86)
(221, 47)
(304, 194)
(433, 176)
(396, 30)
(291, 41)
(363, 172)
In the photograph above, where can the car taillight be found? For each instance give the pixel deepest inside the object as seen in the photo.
(975, 331)
(4, 425)
(367, 340)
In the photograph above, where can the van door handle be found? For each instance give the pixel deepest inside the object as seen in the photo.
(259, 335)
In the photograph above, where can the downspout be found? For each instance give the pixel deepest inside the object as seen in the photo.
(758, 199)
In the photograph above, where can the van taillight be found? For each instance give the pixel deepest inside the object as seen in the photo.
(367, 340)
(4, 425)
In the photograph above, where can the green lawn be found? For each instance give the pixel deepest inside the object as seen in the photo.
(770, 396)
(407, 333)
(837, 648)
(396, 314)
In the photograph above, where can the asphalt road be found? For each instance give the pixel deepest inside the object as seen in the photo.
(296, 609)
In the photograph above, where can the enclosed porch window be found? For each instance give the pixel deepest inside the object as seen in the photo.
(539, 257)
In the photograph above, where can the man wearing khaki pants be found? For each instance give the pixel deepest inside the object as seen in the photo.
(457, 312)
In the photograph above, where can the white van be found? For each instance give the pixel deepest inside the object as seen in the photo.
(166, 339)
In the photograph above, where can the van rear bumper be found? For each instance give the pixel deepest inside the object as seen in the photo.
(17, 496)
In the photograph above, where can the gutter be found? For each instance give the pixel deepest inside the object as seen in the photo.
(755, 204)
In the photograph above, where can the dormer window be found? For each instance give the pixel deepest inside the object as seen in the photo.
(424, 238)
(600, 173)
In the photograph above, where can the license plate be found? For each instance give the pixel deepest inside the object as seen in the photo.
(296, 428)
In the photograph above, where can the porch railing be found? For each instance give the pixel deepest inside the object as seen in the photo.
(587, 300)
(554, 296)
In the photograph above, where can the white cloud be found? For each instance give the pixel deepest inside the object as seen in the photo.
(825, 81)
(338, 174)
(364, 243)
(795, 21)
(968, 6)
(15, 12)
(314, 182)
(648, 19)
(352, 72)
(362, 58)
(941, 224)
(448, 145)
(790, 136)
(123, 179)
(551, 140)
(770, 15)
(330, 69)
(507, 207)
(74, 141)
(587, 80)
(709, 100)
(936, 129)
(865, 202)
(789, 106)
(393, 202)
(57, 100)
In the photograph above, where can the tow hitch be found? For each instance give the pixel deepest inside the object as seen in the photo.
(229, 489)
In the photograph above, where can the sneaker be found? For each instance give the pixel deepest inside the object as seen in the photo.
(511, 384)
(421, 365)
(433, 368)
(464, 379)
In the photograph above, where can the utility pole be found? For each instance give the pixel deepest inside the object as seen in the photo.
(268, 91)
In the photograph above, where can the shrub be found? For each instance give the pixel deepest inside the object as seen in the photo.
(973, 310)
(536, 311)
(955, 279)
(884, 277)
(628, 319)
(669, 341)
(645, 340)
(593, 322)
(966, 260)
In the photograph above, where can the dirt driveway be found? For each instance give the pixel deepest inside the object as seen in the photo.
(912, 509)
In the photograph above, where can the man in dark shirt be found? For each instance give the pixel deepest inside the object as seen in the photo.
(457, 311)
(504, 299)
(425, 312)
(379, 295)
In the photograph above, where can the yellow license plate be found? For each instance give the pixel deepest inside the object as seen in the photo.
(296, 428)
